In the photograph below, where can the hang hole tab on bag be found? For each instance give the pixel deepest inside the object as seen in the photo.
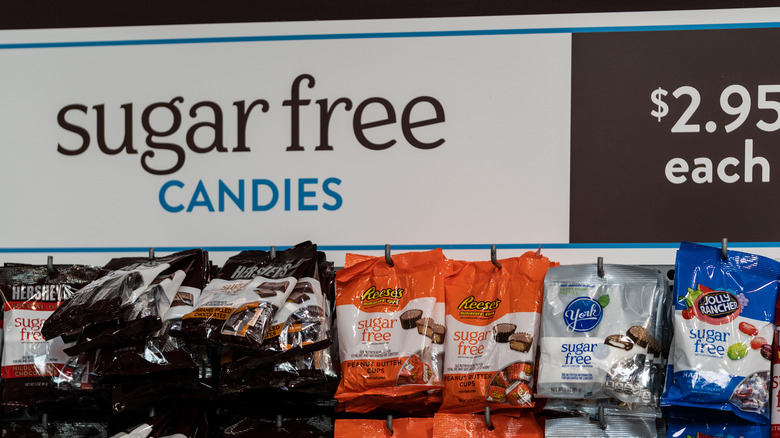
(488, 421)
(388, 259)
(494, 256)
(600, 266)
(390, 424)
(724, 252)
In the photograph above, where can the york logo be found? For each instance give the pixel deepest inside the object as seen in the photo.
(373, 296)
(717, 307)
(582, 315)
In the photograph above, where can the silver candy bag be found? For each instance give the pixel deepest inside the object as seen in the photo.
(601, 334)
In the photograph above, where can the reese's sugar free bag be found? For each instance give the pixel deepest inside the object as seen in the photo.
(724, 324)
(390, 327)
(492, 325)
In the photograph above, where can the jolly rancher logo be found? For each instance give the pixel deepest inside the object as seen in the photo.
(375, 297)
(471, 307)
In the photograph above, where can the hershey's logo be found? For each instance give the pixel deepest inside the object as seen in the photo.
(42, 292)
(268, 271)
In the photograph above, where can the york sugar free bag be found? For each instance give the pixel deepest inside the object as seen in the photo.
(723, 323)
(492, 332)
(390, 326)
(600, 334)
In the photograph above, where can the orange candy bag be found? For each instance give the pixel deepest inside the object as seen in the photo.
(402, 428)
(474, 426)
(390, 324)
(492, 319)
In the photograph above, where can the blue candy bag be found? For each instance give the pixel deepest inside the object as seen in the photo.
(696, 423)
(723, 329)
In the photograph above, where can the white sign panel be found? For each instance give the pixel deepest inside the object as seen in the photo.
(417, 133)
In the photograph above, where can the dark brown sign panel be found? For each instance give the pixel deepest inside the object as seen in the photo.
(675, 135)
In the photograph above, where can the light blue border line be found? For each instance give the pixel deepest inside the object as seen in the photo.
(377, 35)
(399, 247)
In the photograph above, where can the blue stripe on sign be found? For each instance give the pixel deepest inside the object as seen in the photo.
(398, 247)
(378, 35)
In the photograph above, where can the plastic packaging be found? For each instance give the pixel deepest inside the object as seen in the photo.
(724, 319)
(368, 428)
(492, 331)
(378, 307)
(238, 306)
(474, 426)
(698, 423)
(601, 334)
(31, 294)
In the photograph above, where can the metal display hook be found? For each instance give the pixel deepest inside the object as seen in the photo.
(279, 421)
(724, 253)
(151, 253)
(488, 421)
(272, 251)
(494, 256)
(390, 424)
(388, 259)
(600, 266)
(50, 265)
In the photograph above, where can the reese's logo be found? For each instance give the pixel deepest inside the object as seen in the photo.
(388, 296)
(472, 307)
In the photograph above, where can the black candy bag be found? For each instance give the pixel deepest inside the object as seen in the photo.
(127, 302)
(237, 307)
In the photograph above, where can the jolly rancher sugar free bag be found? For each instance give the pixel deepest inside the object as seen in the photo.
(492, 332)
(723, 323)
(389, 327)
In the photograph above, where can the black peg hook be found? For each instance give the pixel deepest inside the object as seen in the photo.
(50, 265)
(600, 266)
(488, 421)
(494, 256)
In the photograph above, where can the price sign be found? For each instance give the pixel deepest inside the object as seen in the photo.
(675, 136)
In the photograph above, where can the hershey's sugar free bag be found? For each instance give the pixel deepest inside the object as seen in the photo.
(311, 367)
(724, 325)
(600, 334)
(30, 295)
(237, 307)
(128, 301)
